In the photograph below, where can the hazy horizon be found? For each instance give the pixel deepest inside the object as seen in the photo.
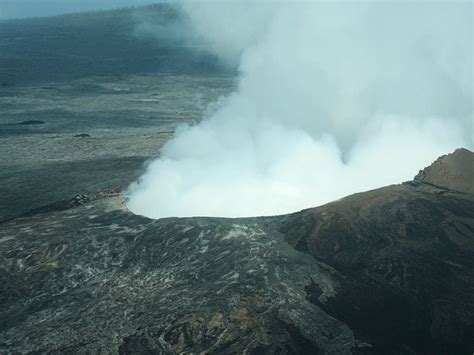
(16, 9)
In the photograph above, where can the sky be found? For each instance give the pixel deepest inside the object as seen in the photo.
(38, 8)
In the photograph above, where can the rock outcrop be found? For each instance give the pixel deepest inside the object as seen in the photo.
(453, 171)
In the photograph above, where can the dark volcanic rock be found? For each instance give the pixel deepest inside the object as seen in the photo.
(405, 259)
(387, 271)
(85, 279)
(31, 122)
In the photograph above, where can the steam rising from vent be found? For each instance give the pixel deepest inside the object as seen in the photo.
(333, 99)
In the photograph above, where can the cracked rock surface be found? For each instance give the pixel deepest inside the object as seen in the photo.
(385, 271)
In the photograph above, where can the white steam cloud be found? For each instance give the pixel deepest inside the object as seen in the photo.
(334, 98)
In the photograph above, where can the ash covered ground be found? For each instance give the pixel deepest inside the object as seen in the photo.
(59, 139)
(85, 101)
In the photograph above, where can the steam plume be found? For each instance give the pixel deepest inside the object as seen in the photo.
(334, 98)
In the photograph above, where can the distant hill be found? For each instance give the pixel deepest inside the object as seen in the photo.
(97, 43)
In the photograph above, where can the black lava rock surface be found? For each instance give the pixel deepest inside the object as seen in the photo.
(388, 271)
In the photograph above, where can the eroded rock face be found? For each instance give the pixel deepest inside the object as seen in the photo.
(453, 171)
(386, 271)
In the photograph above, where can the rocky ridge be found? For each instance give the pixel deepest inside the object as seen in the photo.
(453, 171)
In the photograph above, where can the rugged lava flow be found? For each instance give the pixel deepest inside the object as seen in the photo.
(386, 271)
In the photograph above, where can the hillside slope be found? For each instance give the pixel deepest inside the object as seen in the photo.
(105, 43)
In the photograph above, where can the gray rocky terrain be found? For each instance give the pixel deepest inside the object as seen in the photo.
(86, 99)
(385, 271)
(91, 134)
(388, 271)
